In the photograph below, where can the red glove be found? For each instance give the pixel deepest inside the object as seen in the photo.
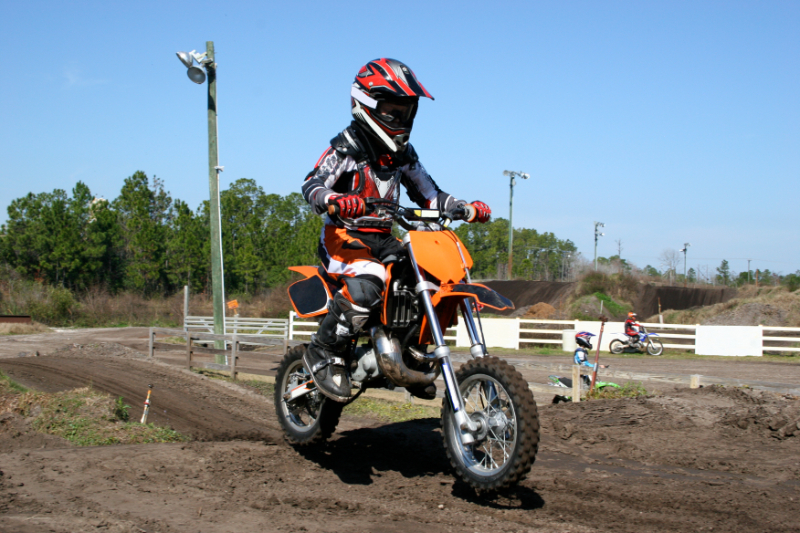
(349, 206)
(482, 212)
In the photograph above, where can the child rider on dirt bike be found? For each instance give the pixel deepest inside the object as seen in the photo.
(632, 329)
(584, 341)
(370, 159)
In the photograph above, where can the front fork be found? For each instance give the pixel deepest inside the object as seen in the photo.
(442, 353)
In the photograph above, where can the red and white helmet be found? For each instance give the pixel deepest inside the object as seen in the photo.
(384, 98)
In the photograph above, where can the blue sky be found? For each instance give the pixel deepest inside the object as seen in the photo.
(670, 122)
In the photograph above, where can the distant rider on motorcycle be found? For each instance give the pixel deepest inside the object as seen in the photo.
(583, 339)
(370, 159)
(632, 329)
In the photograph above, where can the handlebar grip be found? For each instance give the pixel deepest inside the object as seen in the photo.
(333, 209)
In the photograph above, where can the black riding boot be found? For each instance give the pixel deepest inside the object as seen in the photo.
(323, 358)
(324, 361)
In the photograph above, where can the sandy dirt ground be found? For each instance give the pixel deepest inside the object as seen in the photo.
(709, 459)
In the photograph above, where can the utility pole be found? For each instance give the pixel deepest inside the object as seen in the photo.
(217, 272)
(512, 174)
(685, 248)
(597, 235)
(208, 69)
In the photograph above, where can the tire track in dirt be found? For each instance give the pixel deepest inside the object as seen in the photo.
(688, 461)
(190, 404)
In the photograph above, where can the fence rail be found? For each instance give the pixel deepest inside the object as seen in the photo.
(512, 333)
(693, 381)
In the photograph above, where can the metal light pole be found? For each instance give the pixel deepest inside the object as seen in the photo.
(685, 248)
(512, 174)
(748, 271)
(197, 74)
(597, 235)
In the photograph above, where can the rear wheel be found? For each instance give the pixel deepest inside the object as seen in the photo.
(497, 398)
(311, 418)
(654, 347)
(616, 346)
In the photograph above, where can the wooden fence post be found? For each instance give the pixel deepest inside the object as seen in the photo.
(576, 383)
(185, 304)
(188, 350)
(151, 343)
(234, 355)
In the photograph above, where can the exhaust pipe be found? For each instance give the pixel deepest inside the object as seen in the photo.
(390, 361)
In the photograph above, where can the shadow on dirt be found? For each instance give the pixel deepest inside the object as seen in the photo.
(413, 449)
(516, 498)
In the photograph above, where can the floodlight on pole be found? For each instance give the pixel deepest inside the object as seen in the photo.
(512, 174)
(196, 73)
(597, 235)
(207, 68)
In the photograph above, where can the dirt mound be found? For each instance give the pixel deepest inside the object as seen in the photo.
(769, 306)
(711, 428)
(527, 293)
(751, 314)
(190, 404)
(540, 310)
(678, 298)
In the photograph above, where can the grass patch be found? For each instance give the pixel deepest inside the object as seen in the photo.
(86, 417)
(613, 307)
(8, 385)
(390, 411)
(632, 389)
(23, 329)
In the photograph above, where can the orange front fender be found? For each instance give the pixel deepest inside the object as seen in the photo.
(448, 298)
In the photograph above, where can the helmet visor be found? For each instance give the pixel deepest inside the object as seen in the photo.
(396, 114)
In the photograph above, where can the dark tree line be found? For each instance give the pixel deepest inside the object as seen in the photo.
(146, 242)
(536, 255)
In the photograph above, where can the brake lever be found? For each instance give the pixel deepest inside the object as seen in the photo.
(457, 213)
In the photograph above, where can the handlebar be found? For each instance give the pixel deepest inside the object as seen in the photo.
(372, 205)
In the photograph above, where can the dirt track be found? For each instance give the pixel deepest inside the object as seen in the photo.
(689, 460)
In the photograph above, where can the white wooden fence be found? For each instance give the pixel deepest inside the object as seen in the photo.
(266, 327)
(515, 333)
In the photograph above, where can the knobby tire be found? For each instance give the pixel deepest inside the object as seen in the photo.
(526, 443)
(328, 413)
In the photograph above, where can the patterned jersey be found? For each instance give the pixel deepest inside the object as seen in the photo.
(345, 168)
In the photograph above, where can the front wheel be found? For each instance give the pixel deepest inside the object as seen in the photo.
(308, 419)
(497, 398)
(616, 346)
(654, 347)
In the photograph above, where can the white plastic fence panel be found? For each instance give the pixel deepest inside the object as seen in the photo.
(611, 331)
(568, 343)
(499, 333)
(728, 340)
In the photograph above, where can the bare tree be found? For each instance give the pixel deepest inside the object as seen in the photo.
(670, 259)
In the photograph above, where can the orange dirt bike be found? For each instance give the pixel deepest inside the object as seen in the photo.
(489, 417)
